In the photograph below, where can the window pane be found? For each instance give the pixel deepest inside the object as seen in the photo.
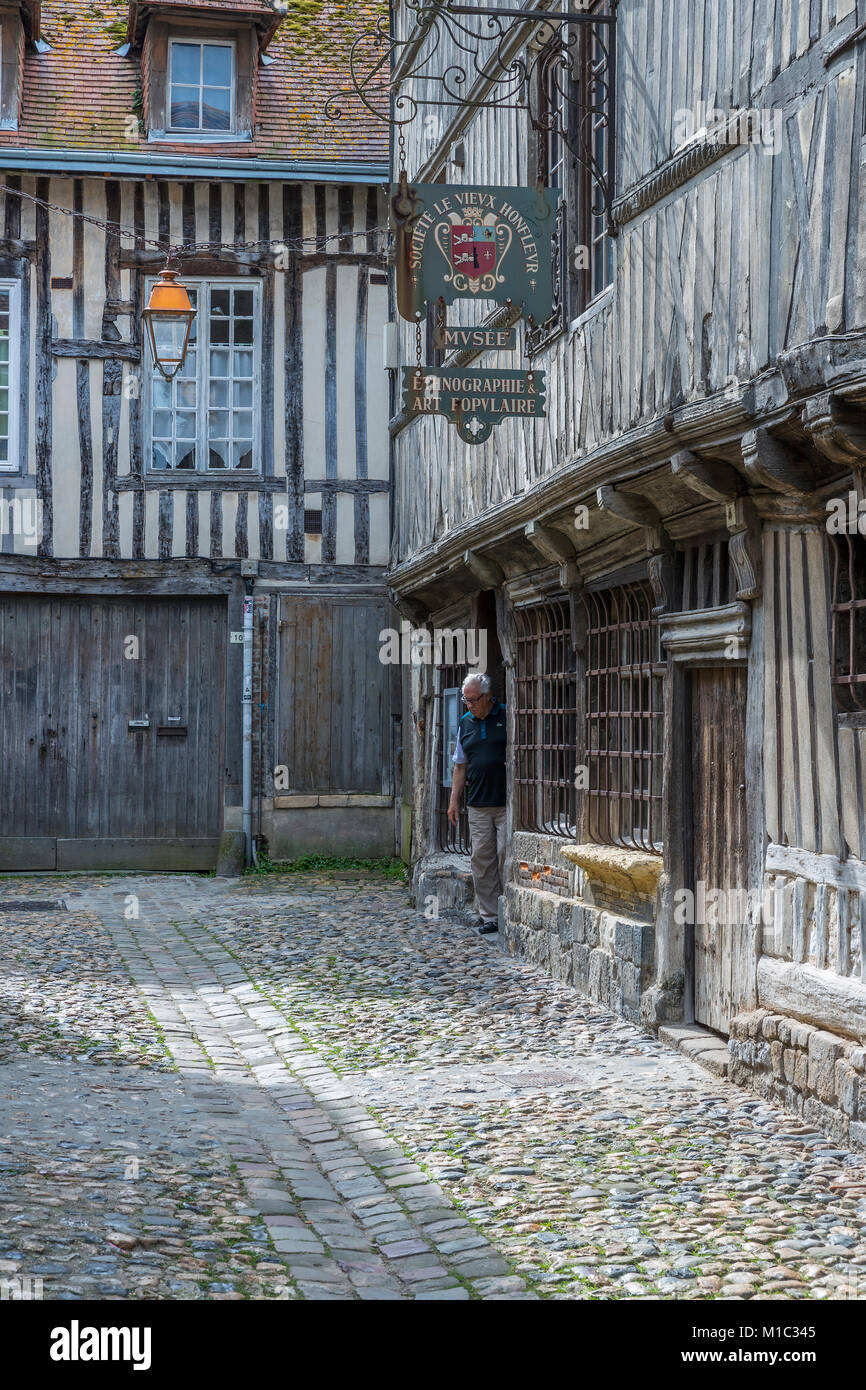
(162, 424)
(189, 367)
(220, 303)
(185, 108)
(4, 445)
(243, 394)
(243, 330)
(243, 424)
(244, 303)
(4, 399)
(243, 363)
(219, 363)
(217, 65)
(219, 393)
(186, 63)
(218, 455)
(185, 424)
(216, 108)
(219, 330)
(186, 394)
(218, 424)
(161, 455)
(184, 456)
(161, 392)
(242, 454)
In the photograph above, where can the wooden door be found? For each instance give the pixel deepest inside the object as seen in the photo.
(718, 700)
(334, 696)
(111, 732)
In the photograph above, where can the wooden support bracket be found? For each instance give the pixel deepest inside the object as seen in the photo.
(549, 543)
(488, 572)
(711, 478)
(837, 428)
(777, 465)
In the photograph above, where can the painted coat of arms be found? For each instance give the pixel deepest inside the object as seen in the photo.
(473, 251)
(474, 242)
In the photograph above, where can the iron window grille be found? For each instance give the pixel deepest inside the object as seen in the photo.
(572, 105)
(452, 839)
(624, 718)
(848, 622)
(546, 719)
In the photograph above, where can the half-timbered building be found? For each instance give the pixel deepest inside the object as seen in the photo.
(675, 619)
(139, 513)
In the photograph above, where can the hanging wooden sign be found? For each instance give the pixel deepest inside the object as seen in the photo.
(473, 242)
(475, 399)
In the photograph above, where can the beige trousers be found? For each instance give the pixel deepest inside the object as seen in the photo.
(487, 829)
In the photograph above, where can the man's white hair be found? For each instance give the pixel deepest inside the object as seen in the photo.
(476, 678)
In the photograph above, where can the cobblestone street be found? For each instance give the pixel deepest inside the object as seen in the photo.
(296, 1086)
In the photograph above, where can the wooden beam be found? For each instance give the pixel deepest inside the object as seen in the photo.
(90, 347)
(710, 477)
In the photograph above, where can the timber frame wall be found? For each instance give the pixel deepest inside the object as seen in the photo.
(712, 400)
(112, 526)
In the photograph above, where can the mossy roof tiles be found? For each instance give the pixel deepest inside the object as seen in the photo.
(82, 92)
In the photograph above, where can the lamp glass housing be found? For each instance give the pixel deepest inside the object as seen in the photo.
(168, 319)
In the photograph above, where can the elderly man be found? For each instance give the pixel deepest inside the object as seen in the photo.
(479, 765)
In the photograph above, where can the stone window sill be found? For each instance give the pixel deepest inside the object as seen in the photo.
(619, 870)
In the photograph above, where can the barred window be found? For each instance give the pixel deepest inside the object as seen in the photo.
(546, 690)
(848, 621)
(572, 111)
(449, 711)
(624, 717)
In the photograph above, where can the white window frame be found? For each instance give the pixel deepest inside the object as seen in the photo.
(13, 461)
(200, 132)
(203, 345)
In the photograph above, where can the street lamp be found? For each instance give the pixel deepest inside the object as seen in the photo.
(168, 319)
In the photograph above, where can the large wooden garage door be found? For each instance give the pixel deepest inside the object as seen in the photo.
(111, 732)
(719, 818)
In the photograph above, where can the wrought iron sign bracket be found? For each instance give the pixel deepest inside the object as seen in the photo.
(490, 68)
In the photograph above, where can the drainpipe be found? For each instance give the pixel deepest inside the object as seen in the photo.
(247, 774)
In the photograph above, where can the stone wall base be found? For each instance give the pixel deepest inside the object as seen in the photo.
(602, 954)
(817, 1075)
(442, 884)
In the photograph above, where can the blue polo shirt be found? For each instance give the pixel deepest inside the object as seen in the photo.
(481, 746)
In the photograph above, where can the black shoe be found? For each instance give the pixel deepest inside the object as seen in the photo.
(487, 927)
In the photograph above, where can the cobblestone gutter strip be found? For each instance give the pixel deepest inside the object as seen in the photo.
(345, 1210)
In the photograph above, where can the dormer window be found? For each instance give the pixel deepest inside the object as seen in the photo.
(202, 86)
(199, 66)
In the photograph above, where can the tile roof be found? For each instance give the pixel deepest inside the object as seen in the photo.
(82, 92)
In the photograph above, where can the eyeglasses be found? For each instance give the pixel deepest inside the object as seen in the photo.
(472, 699)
